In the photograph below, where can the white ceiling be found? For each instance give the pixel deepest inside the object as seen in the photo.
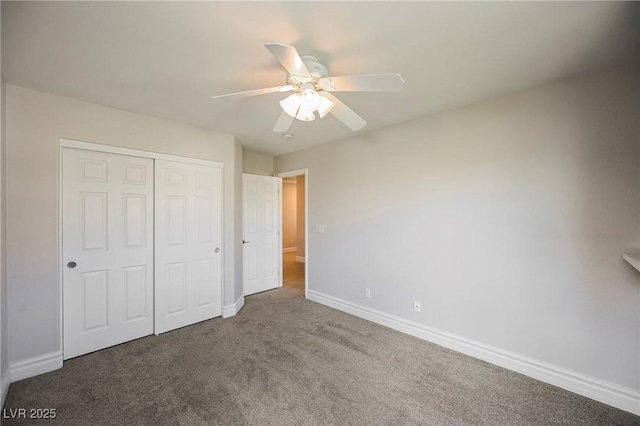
(166, 59)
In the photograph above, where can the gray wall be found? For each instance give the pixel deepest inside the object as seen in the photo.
(36, 121)
(237, 206)
(507, 219)
(4, 363)
(257, 164)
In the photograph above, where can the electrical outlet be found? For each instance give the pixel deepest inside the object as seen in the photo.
(416, 306)
(367, 292)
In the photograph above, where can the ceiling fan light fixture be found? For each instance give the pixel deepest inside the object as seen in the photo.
(310, 81)
(291, 104)
(325, 106)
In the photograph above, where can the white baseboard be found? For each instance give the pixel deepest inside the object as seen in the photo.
(601, 390)
(231, 310)
(290, 250)
(4, 387)
(34, 366)
(300, 259)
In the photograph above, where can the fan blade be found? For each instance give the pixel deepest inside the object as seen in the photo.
(363, 83)
(344, 113)
(256, 92)
(289, 58)
(283, 123)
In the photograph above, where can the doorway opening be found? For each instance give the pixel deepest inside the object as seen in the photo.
(294, 231)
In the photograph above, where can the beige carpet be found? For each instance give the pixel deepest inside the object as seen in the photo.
(286, 361)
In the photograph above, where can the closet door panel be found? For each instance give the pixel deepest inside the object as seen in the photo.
(107, 234)
(188, 205)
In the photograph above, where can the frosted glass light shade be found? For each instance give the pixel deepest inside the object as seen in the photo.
(291, 104)
(325, 106)
(303, 104)
(310, 99)
(305, 115)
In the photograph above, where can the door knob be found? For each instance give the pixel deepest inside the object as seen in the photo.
(71, 265)
(217, 250)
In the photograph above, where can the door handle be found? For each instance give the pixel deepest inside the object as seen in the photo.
(217, 250)
(71, 265)
(245, 242)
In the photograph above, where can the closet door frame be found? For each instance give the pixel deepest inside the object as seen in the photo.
(112, 149)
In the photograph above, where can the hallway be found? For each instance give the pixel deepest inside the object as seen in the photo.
(293, 278)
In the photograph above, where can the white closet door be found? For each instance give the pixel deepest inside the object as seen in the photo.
(107, 249)
(188, 244)
(261, 234)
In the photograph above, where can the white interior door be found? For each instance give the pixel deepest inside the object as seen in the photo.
(261, 233)
(188, 244)
(107, 249)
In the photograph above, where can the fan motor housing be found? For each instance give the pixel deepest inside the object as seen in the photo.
(314, 66)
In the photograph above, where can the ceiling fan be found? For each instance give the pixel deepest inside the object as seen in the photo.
(312, 87)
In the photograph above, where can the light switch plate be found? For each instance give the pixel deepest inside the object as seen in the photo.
(320, 229)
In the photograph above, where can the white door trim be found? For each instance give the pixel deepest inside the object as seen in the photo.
(300, 172)
(90, 146)
(280, 234)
